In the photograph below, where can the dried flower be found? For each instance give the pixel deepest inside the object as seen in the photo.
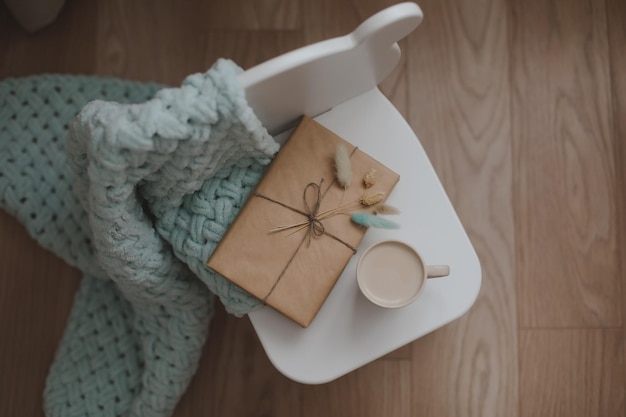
(370, 178)
(370, 220)
(343, 166)
(369, 198)
(385, 209)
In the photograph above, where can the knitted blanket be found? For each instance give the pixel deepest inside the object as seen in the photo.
(137, 201)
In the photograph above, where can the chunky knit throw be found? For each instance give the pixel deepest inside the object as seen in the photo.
(137, 198)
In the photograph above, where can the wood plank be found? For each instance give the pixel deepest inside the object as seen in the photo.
(235, 378)
(8, 26)
(326, 19)
(395, 86)
(248, 48)
(36, 288)
(572, 372)
(54, 49)
(156, 41)
(131, 49)
(616, 29)
(36, 293)
(403, 353)
(459, 107)
(564, 170)
(382, 388)
(252, 15)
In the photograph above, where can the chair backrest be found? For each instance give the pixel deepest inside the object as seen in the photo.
(317, 77)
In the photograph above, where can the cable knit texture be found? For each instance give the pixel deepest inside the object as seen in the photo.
(138, 201)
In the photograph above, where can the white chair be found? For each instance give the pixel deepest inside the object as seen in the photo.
(335, 82)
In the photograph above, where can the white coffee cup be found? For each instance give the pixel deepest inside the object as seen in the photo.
(392, 274)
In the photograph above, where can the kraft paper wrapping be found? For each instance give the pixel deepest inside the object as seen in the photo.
(295, 272)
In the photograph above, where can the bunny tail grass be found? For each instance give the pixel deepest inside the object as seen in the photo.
(343, 166)
(385, 209)
(370, 220)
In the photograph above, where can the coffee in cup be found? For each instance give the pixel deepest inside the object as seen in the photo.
(392, 274)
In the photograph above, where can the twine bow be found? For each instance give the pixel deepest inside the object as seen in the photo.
(315, 226)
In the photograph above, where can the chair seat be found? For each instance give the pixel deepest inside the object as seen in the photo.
(349, 331)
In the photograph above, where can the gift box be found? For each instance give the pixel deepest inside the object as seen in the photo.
(294, 236)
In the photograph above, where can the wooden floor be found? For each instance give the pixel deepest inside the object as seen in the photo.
(521, 106)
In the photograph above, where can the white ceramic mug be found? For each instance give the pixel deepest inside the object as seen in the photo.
(393, 274)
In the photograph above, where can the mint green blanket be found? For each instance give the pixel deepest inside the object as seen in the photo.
(136, 196)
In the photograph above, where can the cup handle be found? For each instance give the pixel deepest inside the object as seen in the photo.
(437, 271)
